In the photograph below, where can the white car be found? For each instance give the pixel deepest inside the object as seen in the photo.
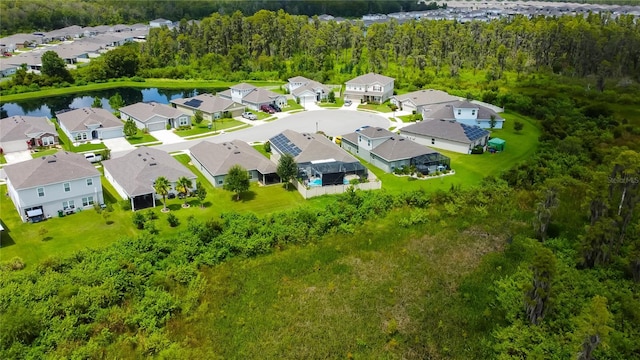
(249, 116)
(93, 158)
(347, 103)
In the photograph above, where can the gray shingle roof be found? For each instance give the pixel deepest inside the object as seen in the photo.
(243, 86)
(24, 127)
(316, 147)
(206, 103)
(445, 111)
(371, 78)
(300, 79)
(219, 158)
(51, 169)
(446, 129)
(375, 132)
(426, 97)
(399, 148)
(143, 112)
(136, 171)
(78, 119)
(312, 86)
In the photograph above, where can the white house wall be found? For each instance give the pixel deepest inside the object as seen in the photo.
(116, 186)
(438, 143)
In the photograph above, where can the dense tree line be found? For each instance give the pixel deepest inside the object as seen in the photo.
(41, 15)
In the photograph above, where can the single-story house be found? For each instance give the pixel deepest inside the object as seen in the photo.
(320, 161)
(211, 106)
(53, 185)
(417, 100)
(155, 116)
(134, 174)
(389, 151)
(369, 87)
(20, 133)
(214, 161)
(465, 112)
(253, 97)
(307, 91)
(447, 134)
(160, 22)
(86, 124)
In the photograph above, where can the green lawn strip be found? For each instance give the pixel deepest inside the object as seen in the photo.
(261, 115)
(155, 143)
(2, 159)
(339, 103)
(384, 108)
(148, 83)
(88, 147)
(410, 118)
(141, 138)
(68, 145)
(218, 125)
(260, 149)
(43, 153)
(243, 126)
(292, 105)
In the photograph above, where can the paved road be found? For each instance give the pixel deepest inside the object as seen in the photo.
(332, 122)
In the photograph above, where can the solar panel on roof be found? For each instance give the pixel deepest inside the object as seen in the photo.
(285, 145)
(194, 103)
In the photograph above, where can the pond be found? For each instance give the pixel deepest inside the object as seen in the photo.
(48, 106)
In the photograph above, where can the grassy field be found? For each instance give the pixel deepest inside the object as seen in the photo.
(383, 292)
(203, 128)
(148, 83)
(43, 153)
(410, 118)
(141, 138)
(292, 105)
(338, 104)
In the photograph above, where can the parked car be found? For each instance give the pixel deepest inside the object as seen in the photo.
(276, 107)
(347, 103)
(249, 116)
(362, 128)
(93, 158)
(267, 109)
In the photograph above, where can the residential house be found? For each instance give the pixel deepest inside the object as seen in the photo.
(370, 87)
(253, 97)
(134, 174)
(215, 160)
(307, 91)
(52, 185)
(211, 106)
(86, 124)
(320, 161)
(160, 22)
(465, 112)
(154, 116)
(20, 133)
(447, 134)
(7, 69)
(417, 100)
(389, 151)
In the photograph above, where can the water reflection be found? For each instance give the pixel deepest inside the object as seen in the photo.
(48, 106)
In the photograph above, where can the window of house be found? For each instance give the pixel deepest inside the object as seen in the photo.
(459, 112)
(433, 141)
(220, 182)
(68, 204)
(473, 112)
(89, 182)
(359, 138)
(86, 201)
(67, 187)
(48, 140)
(40, 192)
(79, 136)
(184, 122)
(368, 142)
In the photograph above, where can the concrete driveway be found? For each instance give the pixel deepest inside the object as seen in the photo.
(18, 156)
(118, 144)
(332, 122)
(167, 136)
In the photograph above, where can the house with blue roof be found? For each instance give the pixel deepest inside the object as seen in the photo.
(447, 134)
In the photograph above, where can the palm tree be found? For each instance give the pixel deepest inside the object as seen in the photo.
(162, 186)
(184, 185)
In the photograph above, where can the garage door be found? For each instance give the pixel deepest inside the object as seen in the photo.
(156, 126)
(308, 99)
(110, 134)
(407, 106)
(13, 146)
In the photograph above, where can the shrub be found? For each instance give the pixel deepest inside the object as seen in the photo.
(137, 79)
(151, 215)
(173, 220)
(16, 263)
(267, 147)
(138, 220)
(477, 150)
(125, 205)
(168, 127)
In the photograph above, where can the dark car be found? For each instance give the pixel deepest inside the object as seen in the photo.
(276, 107)
(267, 109)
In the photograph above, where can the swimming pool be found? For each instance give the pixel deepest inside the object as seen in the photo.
(318, 182)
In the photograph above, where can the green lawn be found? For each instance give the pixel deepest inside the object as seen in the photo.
(67, 144)
(260, 149)
(141, 138)
(293, 105)
(261, 115)
(338, 104)
(43, 153)
(2, 159)
(471, 169)
(219, 124)
(384, 108)
(148, 83)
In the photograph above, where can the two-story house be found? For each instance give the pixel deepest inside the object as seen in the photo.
(86, 124)
(20, 133)
(389, 151)
(155, 116)
(464, 112)
(253, 97)
(417, 100)
(447, 134)
(50, 185)
(370, 87)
